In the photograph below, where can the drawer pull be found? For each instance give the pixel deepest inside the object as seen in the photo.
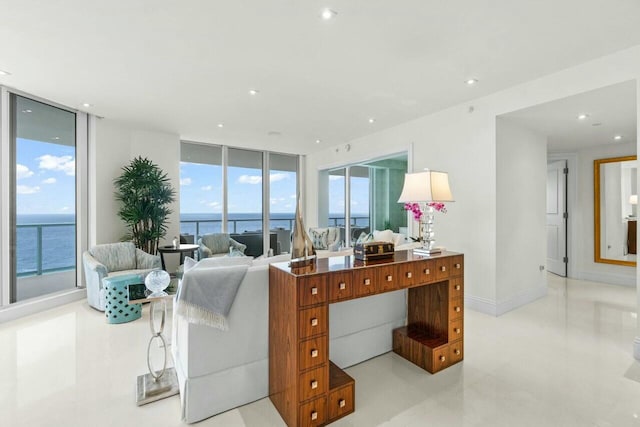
(367, 282)
(314, 353)
(314, 321)
(457, 352)
(343, 286)
(442, 358)
(458, 266)
(314, 416)
(426, 271)
(443, 268)
(456, 330)
(314, 291)
(409, 275)
(457, 287)
(342, 403)
(314, 385)
(389, 278)
(457, 309)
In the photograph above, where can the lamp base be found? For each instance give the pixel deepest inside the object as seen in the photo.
(427, 252)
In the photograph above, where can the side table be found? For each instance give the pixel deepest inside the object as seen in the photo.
(182, 249)
(162, 383)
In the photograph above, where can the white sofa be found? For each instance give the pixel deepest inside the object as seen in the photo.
(220, 370)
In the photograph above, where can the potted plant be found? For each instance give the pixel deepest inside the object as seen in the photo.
(145, 193)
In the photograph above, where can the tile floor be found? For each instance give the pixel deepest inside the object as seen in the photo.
(564, 360)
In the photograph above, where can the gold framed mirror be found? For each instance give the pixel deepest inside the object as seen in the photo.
(615, 210)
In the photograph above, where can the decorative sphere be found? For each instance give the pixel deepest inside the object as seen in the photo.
(157, 281)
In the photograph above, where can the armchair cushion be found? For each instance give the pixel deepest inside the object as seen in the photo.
(217, 243)
(115, 256)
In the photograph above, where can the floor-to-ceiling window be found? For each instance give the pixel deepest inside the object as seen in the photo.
(283, 179)
(201, 190)
(44, 148)
(223, 189)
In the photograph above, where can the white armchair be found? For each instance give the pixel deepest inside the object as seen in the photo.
(113, 259)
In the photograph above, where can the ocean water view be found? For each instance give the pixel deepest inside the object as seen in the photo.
(47, 242)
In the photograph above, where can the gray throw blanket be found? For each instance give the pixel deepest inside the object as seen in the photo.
(206, 294)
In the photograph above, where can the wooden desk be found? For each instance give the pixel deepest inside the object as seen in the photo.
(304, 385)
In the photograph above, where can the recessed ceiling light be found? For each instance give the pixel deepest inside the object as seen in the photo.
(55, 138)
(583, 116)
(328, 14)
(220, 125)
(87, 105)
(253, 91)
(4, 73)
(471, 82)
(318, 141)
(372, 120)
(617, 137)
(27, 111)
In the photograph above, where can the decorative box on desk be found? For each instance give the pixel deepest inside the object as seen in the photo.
(373, 250)
(306, 388)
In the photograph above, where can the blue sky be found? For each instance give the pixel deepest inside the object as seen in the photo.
(45, 178)
(201, 191)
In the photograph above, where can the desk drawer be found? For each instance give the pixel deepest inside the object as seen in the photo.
(387, 279)
(456, 308)
(364, 281)
(313, 413)
(341, 402)
(312, 353)
(440, 357)
(340, 286)
(456, 329)
(406, 274)
(425, 272)
(313, 383)
(312, 290)
(312, 321)
(456, 351)
(456, 287)
(443, 268)
(457, 265)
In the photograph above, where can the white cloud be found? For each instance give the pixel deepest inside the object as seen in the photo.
(22, 171)
(278, 176)
(65, 208)
(49, 181)
(213, 204)
(250, 179)
(66, 164)
(207, 188)
(335, 177)
(185, 181)
(293, 196)
(276, 200)
(25, 189)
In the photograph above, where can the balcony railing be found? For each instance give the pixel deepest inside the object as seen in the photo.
(26, 240)
(236, 225)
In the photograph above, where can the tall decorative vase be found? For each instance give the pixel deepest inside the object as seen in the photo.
(302, 251)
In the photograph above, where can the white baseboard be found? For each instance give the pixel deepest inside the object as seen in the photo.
(612, 278)
(482, 305)
(520, 299)
(21, 309)
(636, 348)
(493, 308)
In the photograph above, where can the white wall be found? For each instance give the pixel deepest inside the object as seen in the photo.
(520, 215)
(116, 145)
(464, 144)
(587, 268)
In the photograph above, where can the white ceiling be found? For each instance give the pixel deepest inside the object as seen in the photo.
(186, 66)
(611, 111)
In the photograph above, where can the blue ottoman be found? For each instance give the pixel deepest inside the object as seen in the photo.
(117, 308)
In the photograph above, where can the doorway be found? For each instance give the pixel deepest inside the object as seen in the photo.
(557, 217)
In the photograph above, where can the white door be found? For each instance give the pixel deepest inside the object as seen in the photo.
(556, 218)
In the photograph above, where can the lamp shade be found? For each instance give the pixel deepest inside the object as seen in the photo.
(427, 186)
(633, 199)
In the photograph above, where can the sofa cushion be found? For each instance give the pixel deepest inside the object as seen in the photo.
(115, 256)
(319, 237)
(263, 260)
(383, 236)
